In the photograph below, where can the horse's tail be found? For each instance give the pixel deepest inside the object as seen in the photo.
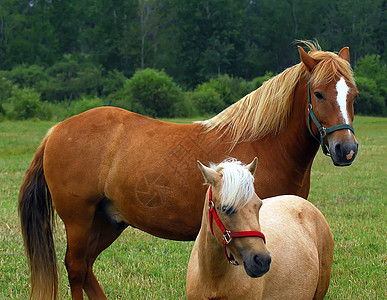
(37, 220)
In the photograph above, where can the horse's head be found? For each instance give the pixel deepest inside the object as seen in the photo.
(331, 94)
(233, 215)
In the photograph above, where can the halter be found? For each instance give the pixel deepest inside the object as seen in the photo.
(322, 130)
(227, 234)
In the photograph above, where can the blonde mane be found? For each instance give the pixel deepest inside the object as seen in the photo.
(267, 109)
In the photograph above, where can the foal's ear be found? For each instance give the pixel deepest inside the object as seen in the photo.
(210, 176)
(344, 54)
(307, 60)
(252, 166)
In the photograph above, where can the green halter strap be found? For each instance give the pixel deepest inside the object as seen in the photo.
(321, 129)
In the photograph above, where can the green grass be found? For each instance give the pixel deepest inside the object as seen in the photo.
(139, 266)
(353, 201)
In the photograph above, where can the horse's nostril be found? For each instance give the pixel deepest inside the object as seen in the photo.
(257, 260)
(338, 150)
(262, 260)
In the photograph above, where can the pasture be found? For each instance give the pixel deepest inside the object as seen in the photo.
(139, 266)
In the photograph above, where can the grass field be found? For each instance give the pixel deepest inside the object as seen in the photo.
(139, 266)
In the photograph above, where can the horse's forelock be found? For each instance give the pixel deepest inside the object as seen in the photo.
(237, 184)
(330, 67)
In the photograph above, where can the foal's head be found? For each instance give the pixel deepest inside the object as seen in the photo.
(233, 215)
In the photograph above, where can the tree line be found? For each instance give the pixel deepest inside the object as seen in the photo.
(73, 48)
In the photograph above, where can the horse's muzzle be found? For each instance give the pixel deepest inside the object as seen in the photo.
(257, 265)
(343, 154)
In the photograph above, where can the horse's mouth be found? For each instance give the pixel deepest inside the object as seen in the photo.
(342, 164)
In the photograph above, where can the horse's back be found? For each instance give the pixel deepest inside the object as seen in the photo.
(301, 245)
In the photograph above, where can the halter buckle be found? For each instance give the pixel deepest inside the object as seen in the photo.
(211, 204)
(227, 237)
(323, 132)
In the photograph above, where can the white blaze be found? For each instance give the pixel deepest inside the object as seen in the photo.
(342, 92)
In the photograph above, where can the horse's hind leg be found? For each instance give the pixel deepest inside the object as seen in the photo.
(78, 218)
(102, 235)
(75, 260)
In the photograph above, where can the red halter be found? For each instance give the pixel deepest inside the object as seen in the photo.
(227, 234)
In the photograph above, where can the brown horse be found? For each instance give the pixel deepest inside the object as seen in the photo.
(298, 239)
(108, 168)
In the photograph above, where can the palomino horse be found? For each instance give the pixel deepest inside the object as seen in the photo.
(108, 168)
(298, 239)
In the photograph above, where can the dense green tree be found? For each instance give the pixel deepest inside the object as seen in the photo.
(112, 82)
(152, 93)
(110, 34)
(371, 79)
(69, 79)
(207, 37)
(27, 76)
(207, 100)
(26, 103)
(355, 24)
(5, 92)
(192, 41)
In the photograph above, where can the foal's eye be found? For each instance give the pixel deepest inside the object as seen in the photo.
(319, 96)
(228, 210)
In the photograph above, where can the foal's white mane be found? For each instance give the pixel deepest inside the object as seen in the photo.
(237, 183)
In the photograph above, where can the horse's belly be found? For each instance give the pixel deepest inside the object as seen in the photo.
(294, 272)
(157, 199)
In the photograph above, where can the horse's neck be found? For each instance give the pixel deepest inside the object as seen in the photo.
(290, 153)
(211, 258)
(296, 140)
(217, 278)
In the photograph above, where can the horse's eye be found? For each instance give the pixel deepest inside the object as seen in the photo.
(319, 96)
(228, 210)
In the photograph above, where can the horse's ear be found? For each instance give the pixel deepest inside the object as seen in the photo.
(252, 166)
(307, 60)
(210, 176)
(344, 54)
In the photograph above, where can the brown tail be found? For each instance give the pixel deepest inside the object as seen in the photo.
(36, 214)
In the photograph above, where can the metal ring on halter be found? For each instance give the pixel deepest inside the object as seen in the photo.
(211, 204)
(227, 237)
(323, 132)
